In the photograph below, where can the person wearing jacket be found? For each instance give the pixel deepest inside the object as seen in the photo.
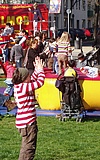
(26, 119)
(9, 68)
(37, 16)
(96, 44)
(17, 53)
(32, 53)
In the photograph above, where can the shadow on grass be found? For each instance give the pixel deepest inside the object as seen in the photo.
(91, 118)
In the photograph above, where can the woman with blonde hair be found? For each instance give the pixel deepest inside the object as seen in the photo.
(63, 49)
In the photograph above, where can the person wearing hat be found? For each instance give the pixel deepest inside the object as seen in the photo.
(82, 62)
(37, 16)
(26, 123)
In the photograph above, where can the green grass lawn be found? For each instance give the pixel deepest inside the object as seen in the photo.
(57, 140)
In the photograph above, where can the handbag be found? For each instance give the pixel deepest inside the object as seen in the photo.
(59, 84)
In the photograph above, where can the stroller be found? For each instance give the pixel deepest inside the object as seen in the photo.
(71, 103)
(92, 57)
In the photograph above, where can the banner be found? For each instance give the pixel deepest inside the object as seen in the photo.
(20, 17)
(55, 6)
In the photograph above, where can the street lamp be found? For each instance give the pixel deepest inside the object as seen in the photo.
(68, 12)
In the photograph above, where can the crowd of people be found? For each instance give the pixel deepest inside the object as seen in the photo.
(54, 52)
(24, 65)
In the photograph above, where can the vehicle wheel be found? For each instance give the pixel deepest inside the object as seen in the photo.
(63, 119)
(79, 119)
(60, 119)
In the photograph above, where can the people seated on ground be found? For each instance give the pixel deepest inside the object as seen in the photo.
(5, 98)
(9, 68)
(82, 61)
(16, 54)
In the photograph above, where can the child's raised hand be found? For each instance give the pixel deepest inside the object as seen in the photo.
(38, 63)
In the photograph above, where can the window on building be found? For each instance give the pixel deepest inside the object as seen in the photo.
(76, 4)
(78, 24)
(79, 4)
(89, 23)
(72, 4)
(83, 23)
(89, 6)
(83, 5)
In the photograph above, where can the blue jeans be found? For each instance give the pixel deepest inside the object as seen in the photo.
(3, 99)
(55, 65)
(9, 90)
(5, 54)
(19, 63)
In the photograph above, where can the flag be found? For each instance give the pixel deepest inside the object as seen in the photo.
(55, 6)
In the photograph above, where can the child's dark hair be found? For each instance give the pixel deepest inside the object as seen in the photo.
(72, 63)
(17, 78)
(20, 75)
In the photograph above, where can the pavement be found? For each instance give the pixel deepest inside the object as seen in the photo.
(85, 50)
(86, 47)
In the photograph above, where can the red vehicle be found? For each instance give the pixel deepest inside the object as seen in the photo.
(20, 17)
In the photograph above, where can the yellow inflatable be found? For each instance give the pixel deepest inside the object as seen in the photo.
(48, 96)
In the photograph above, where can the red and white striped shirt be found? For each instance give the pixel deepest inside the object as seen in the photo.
(26, 113)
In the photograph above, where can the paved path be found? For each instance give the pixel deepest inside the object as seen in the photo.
(85, 50)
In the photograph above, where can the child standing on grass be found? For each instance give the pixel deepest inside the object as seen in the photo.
(24, 87)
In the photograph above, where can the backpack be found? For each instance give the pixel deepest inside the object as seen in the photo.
(71, 95)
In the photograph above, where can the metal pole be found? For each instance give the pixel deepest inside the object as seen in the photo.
(68, 22)
(20, 27)
(62, 14)
(54, 29)
(68, 12)
(40, 26)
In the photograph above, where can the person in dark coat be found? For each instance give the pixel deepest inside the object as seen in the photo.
(96, 44)
(32, 53)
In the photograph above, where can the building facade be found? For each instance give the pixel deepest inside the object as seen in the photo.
(82, 13)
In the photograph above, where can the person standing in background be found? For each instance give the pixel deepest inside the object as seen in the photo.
(16, 53)
(37, 16)
(64, 48)
(31, 55)
(96, 44)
